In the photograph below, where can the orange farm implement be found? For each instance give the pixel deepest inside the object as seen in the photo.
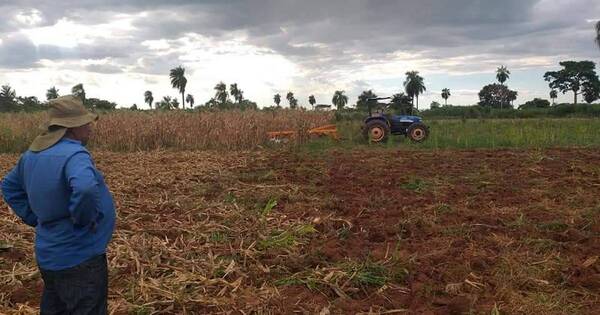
(322, 131)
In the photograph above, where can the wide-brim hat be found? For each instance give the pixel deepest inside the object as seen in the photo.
(63, 113)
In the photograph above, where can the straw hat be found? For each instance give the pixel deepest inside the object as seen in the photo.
(64, 112)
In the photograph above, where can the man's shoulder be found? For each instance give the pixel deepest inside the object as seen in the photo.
(63, 148)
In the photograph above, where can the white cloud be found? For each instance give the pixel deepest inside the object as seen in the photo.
(29, 18)
(159, 44)
(69, 34)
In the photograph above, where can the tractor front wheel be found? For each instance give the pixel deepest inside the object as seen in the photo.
(376, 131)
(417, 132)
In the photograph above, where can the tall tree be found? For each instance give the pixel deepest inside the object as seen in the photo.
(402, 103)
(553, 95)
(502, 74)
(79, 91)
(236, 93)
(339, 99)
(292, 100)
(178, 81)
(312, 101)
(495, 95)
(7, 92)
(362, 103)
(51, 93)
(578, 77)
(445, 95)
(221, 93)
(148, 98)
(414, 85)
(190, 100)
(8, 97)
(277, 99)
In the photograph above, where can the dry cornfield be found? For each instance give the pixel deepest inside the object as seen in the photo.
(288, 231)
(134, 131)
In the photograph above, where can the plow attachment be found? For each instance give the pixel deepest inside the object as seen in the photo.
(287, 135)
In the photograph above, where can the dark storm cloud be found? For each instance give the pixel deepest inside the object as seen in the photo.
(318, 34)
(18, 52)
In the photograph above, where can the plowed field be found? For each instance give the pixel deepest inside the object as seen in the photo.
(341, 232)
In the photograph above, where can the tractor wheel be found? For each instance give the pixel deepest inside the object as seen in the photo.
(417, 132)
(377, 131)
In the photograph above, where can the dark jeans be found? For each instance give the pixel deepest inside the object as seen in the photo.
(82, 289)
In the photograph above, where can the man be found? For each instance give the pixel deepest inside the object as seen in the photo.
(56, 188)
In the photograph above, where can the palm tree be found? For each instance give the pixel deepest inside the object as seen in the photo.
(7, 92)
(165, 103)
(445, 95)
(402, 103)
(236, 93)
(553, 95)
(277, 99)
(190, 100)
(221, 94)
(52, 93)
(414, 85)
(291, 99)
(362, 102)
(339, 99)
(312, 101)
(7, 99)
(148, 98)
(178, 81)
(79, 91)
(502, 74)
(598, 33)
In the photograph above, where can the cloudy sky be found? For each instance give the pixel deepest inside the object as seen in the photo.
(120, 48)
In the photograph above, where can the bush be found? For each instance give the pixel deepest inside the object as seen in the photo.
(529, 111)
(535, 103)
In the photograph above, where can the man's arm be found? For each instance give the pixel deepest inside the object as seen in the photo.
(85, 196)
(16, 197)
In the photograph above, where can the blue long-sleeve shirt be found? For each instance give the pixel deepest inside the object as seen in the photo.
(60, 192)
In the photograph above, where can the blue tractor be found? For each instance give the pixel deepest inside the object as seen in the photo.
(379, 126)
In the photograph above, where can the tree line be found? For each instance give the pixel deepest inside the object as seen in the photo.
(577, 77)
(234, 99)
(10, 102)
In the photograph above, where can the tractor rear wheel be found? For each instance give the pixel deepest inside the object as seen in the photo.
(417, 132)
(376, 131)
